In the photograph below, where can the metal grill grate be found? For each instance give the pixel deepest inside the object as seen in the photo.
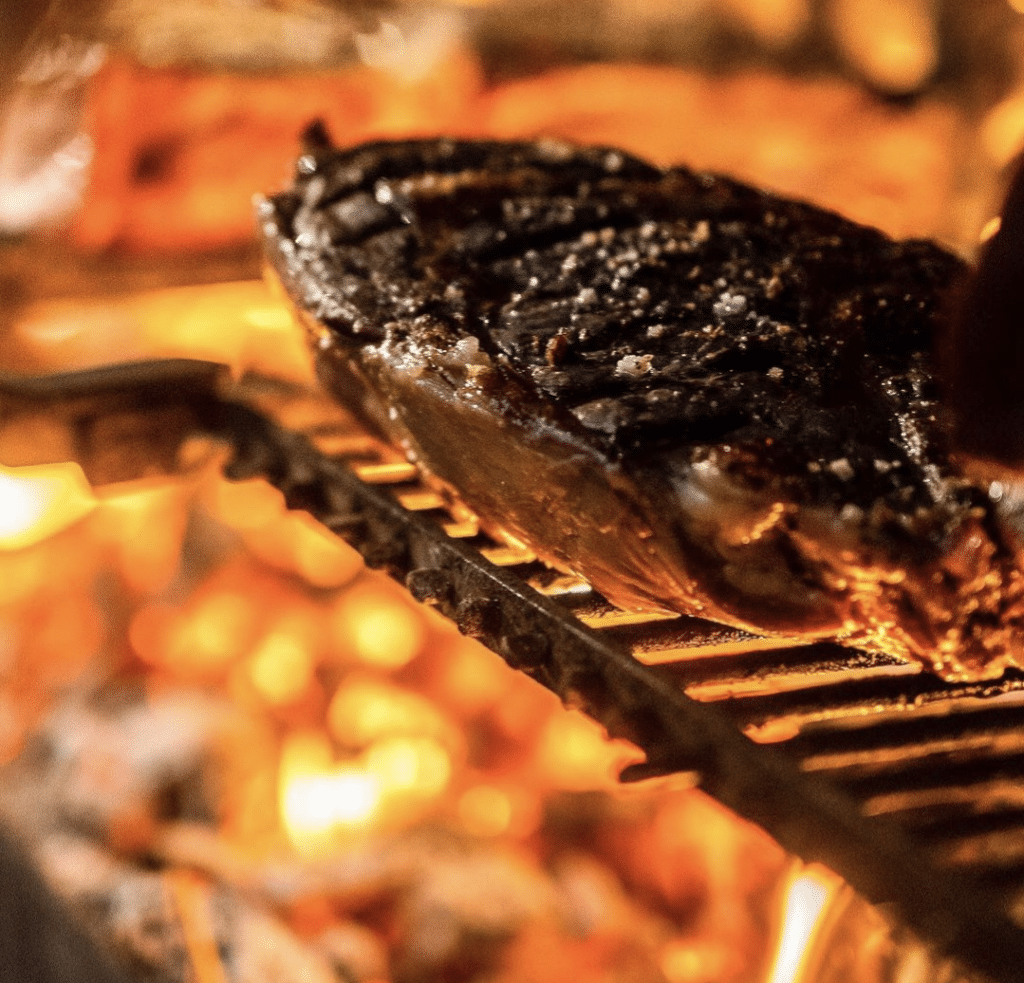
(909, 787)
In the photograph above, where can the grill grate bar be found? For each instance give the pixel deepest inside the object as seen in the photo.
(775, 669)
(681, 637)
(932, 828)
(858, 698)
(959, 724)
(931, 776)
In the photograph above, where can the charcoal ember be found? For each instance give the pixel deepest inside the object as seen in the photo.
(263, 949)
(463, 910)
(130, 912)
(590, 897)
(117, 771)
(543, 954)
(598, 932)
(144, 921)
(142, 926)
(354, 952)
(702, 397)
(367, 873)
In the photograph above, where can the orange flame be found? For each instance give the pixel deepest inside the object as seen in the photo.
(318, 797)
(576, 754)
(485, 810)
(37, 502)
(384, 631)
(807, 898)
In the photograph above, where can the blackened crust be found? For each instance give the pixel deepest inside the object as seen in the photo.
(701, 396)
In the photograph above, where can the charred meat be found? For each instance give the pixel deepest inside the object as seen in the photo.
(702, 397)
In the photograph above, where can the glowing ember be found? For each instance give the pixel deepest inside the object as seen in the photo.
(384, 632)
(319, 797)
(575, 754)
(365, 710)
(38, 502)
(217, 632)
(418, 767)
(807, 898)
(485, 810)
(315, 806)
(281, 668)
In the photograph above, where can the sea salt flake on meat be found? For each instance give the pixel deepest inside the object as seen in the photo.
(729, 304)
(603, 415)
(634, 366)
(842, 469)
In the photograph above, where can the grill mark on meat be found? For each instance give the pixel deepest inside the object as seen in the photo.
(704, 355)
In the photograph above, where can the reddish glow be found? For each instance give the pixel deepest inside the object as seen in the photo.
(575, 753)
(1003, 130)
(318, 797)
(475, 678)
(205, 639)
(689, 961)
(382, 630)
(366, 710)
(37, 502)
(321, 558)
(248, 504)
(410, 766)
(145, 522)
(281, 668)
(485, 810)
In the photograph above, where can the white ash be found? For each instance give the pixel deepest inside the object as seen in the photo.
(354, 952)
(95, 766)
(474, 902)
(139, 922)
(264, 950)
(590, 896)
(136, 915)
(76, 867)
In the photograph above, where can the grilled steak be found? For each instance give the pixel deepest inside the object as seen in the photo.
(702, 397)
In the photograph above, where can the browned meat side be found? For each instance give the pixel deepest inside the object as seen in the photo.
(700, 396)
